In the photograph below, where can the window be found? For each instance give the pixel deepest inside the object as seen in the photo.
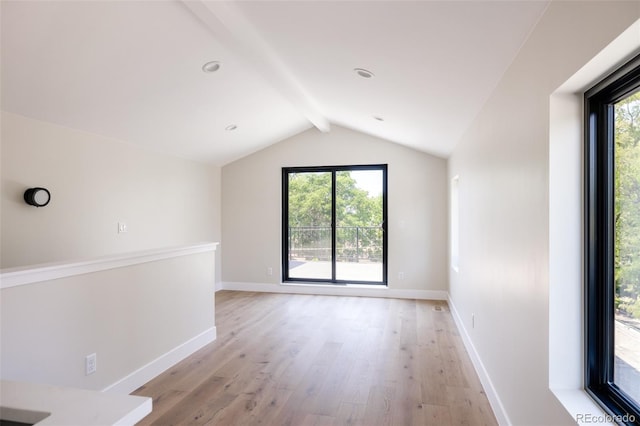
(612, 244)
(455, 223)
(334, 224)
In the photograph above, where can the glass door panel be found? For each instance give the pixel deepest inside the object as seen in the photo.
(309, 227)
(627, 245)
(359, 232)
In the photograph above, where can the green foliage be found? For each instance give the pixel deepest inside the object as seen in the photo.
(354, 207)
(627, 205)
(310, 201)
(358, 218)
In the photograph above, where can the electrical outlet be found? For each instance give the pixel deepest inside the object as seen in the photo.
(401, 275)
(122, 227)
(90, 364)
(269, 271)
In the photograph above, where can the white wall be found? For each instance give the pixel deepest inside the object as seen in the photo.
(417, 197)
(95, 182)
(129, 316)
(138, 319)
(503, 168)
(566, 284)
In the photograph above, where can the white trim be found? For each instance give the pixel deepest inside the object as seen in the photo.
(50, 271)
(147, 372)
(43, 404)
(582, 408)
(137, 414)
(334, 290)
(487, 384)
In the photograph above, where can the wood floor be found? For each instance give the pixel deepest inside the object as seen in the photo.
(322, 360)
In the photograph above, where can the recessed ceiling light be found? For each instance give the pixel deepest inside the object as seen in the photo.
(375, 117)
(363, 73)
(212, 66)
(231, 127)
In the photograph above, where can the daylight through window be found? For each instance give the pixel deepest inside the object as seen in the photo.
(334, 224)
(612, 228)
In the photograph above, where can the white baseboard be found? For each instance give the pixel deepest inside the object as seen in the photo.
(144, 374)
(487, 384)
(334, 290)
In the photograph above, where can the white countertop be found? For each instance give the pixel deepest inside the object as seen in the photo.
(29, 402)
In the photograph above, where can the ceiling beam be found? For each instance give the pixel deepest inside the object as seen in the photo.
(232, 28)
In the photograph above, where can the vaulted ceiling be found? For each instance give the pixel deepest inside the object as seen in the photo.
(132, 70)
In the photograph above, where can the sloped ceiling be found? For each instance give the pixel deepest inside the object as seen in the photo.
(132, 70)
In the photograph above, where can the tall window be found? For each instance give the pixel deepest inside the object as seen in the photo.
(455, 223)
(612, 228)
(334, 224)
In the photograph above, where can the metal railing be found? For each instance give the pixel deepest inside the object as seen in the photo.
(353, 243)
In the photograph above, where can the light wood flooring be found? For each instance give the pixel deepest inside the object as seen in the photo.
(301, 360)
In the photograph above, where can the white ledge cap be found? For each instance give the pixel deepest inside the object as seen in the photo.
(49, 271)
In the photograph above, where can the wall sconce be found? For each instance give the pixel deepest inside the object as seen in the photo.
(38, 197)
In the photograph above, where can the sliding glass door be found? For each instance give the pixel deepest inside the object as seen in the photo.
(334, 224)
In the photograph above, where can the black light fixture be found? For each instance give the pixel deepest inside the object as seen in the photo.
(38, 197)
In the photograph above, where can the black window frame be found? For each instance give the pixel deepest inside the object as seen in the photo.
(285, 222)
(599, 180)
